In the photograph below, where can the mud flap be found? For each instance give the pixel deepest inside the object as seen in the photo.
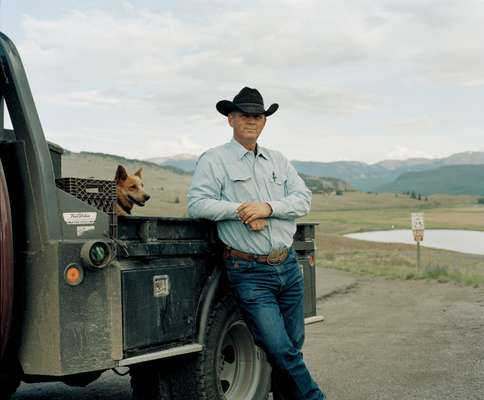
(6, 265)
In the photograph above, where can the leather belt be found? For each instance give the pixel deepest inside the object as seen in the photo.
(275, 257)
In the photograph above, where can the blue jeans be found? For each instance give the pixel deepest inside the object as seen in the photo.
(271, 299)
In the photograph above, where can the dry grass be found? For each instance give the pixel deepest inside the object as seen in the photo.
(359, 212)
(337, 215)
(397, 260)
(164, 186)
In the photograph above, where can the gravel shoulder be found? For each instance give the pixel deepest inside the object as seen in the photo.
(390, 339)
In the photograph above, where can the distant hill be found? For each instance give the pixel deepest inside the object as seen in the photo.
(452, 179)
(368, 177)
(318, 184)
(185, 162)
(183, 156)
(359, 175)
(113, 158)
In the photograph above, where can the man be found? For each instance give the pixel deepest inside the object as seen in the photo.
(255, 194)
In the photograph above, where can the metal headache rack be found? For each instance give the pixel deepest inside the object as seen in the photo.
(98, 193)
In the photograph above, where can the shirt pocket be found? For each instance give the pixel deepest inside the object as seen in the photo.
(277, 186)
(239, 185)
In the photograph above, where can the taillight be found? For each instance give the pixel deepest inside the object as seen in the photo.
(74, 274)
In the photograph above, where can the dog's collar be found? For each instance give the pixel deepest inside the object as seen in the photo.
(125, 209)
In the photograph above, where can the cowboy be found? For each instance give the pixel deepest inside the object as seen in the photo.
(255, 195)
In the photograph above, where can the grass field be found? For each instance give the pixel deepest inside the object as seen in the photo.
(359, 212)
(337, 215)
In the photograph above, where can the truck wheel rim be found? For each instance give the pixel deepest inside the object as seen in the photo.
(240, 363)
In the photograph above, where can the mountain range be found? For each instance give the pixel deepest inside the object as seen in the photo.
(360, 175)
(167, 181)
(450, 179)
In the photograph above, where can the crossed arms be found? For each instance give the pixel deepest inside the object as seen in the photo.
(205, 198)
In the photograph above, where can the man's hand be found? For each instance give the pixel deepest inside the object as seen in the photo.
(249, 212)
(258, 225)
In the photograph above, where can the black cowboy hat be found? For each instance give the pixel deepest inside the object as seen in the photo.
(248, 101)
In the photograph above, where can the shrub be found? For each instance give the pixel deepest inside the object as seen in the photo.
(439, 272)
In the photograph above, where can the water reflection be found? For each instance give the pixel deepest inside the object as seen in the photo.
(448, 239)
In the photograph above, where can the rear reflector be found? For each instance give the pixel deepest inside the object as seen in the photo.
(73, 274)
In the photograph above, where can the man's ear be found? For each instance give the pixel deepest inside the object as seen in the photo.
(264, 124)
(139, 172)
(230, 119)
(121, 174)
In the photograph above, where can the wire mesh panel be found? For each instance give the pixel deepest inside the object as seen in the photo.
(96, 192)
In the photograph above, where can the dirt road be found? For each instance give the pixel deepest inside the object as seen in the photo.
(386, 339)
(381, 340)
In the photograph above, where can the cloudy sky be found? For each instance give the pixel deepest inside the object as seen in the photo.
(359, 80)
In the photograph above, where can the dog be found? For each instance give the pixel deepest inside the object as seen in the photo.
(129, 191)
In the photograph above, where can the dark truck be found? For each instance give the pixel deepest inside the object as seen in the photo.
(83, 291)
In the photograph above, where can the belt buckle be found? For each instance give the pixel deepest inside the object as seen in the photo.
(277, 256)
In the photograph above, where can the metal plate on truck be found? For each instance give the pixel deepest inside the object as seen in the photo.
(158, 304)
(161, 285)
(309, 284)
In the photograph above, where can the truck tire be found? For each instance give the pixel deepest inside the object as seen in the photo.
(10, 371)
(231, 366)
(6, 266)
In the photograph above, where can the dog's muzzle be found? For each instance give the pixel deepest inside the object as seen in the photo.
(137, 202)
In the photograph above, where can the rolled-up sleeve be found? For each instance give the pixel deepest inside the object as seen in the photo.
(297, 202)
(204, 194)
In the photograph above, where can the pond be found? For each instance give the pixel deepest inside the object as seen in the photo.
(471, 242)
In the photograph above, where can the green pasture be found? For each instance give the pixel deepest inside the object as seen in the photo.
(360, 212)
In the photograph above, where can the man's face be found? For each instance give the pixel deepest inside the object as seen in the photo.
(247, 127)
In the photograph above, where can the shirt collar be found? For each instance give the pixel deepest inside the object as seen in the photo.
(241, 151)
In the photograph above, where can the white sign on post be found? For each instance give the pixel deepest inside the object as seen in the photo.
(418, 221)
(418, 226)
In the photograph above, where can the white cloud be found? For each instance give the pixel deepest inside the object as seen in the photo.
(412, 126)
(148, 53)
(439, 40)
(332, 65)
(180, 145)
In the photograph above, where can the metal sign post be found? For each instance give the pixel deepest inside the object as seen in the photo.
(418, 227)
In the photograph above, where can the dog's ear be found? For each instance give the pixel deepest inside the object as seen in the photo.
(121, 174)
(139, 172)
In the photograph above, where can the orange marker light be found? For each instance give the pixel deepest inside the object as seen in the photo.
(311, 260)
(73, 274)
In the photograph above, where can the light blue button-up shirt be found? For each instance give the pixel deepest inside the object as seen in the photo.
(229, 175)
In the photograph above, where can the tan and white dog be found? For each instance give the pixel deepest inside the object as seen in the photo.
(129, 191)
